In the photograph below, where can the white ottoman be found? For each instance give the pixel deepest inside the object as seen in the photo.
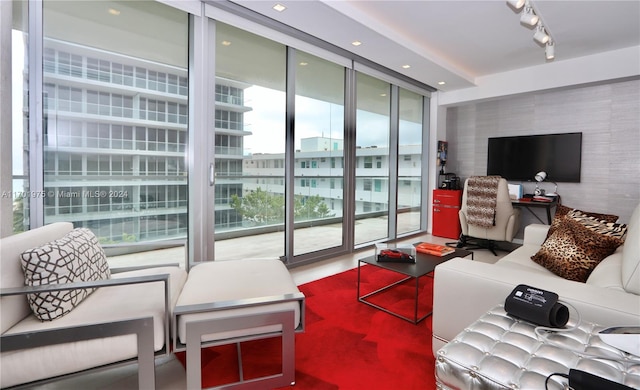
(499, 352)
(226, 302)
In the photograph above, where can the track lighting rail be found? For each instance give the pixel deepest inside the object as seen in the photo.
(531, 19)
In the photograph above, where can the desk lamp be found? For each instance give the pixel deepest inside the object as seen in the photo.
(540, 177)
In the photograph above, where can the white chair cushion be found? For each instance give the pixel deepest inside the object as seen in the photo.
(219, 281)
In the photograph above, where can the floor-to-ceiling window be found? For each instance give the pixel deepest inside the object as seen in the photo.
(250, 81)
(114, 130)
(295, 152)
(410, 151)
(372, 159)
(319, 154)
(20, 117)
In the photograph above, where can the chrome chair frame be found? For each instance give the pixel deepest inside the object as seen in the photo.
(196, 329)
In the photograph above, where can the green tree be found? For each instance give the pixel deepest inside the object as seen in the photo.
(259, 206)
(311, 207)
(18, 215)
(262, 207)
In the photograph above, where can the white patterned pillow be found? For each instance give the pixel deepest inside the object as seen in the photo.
(76, 257)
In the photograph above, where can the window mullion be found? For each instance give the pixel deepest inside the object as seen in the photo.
(393, 161)
(36, 117)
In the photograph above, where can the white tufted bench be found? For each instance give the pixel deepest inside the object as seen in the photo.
(499, 352)
(226, 302)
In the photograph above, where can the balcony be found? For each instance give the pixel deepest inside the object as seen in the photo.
(245, 247)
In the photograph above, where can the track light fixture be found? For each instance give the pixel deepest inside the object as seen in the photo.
(516, 4)
(549, 50)
(541, 35)
(530, 18)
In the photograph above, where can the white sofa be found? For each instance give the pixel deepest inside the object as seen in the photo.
(464, 290)
(125, 319)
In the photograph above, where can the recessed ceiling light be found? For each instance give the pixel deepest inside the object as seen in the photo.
(356, 43)
(442, 82)
(114, 11)
(226, 43)
(304, 63)
(406, 66)
(279, 7)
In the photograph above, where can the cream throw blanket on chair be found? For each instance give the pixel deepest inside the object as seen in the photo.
(482, 195)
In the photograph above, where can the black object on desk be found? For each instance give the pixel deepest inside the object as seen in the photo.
(529, 203)
(395, 256)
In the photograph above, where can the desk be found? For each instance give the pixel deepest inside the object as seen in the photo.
(537, 205)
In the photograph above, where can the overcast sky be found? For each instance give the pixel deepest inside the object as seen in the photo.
(314, 118)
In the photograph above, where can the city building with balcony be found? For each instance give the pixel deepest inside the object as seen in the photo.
(319, 172)
(116, 139)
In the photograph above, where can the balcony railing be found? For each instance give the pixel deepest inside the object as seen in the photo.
(243, 240)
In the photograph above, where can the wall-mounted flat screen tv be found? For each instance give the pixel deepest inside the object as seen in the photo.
(520, 158)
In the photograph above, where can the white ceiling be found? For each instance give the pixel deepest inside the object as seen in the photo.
(459, 41)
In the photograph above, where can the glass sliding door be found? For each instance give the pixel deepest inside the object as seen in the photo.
(373, 118)
(117, 144)
(19, 119)
(409, 162)
(250, 104)
(319, 154)
(115, 123)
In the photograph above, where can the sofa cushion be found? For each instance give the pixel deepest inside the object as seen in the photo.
(578, 245)
(562, 211)
(76, 257)
(607, 273)
(631, 255)
(520, 258)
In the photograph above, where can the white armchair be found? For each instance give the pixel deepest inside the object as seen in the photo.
(125, 319)
(504, 228)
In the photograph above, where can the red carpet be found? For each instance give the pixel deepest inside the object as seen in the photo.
(347, 344)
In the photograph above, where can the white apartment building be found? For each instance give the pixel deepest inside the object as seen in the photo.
(116, 139)
(319, 172)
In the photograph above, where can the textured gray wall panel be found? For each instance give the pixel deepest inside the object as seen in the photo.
(608, 117)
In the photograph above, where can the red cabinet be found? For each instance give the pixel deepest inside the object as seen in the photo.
(446, 204)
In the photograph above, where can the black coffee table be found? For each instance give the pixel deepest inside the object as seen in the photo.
(424, 266)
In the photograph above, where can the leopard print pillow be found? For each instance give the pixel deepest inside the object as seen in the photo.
(599, 226)
(562, 211)
(574, 249)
